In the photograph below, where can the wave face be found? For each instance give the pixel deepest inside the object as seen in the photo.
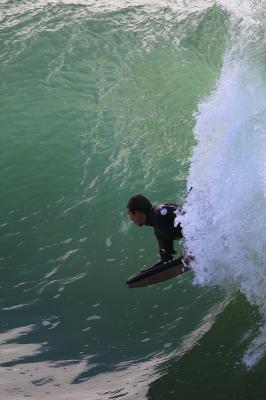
(225, 216)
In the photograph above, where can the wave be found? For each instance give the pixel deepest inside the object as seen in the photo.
(225, 219)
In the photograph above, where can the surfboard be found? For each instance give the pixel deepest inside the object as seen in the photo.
(157, 274)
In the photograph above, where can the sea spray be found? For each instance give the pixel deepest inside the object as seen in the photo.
(225, 212)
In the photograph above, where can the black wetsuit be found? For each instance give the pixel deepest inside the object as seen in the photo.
(161, 217)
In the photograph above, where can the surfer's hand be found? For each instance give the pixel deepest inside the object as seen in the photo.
(167, 254)
(167, 258)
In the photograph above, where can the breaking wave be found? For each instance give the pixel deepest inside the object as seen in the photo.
(225, 218)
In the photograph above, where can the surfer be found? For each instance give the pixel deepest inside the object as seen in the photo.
(162, 218)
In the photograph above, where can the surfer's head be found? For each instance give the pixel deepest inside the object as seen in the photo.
(138, 207)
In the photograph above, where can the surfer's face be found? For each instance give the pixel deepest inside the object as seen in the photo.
(137, 217)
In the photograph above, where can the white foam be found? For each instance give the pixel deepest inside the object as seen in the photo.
(224, 224)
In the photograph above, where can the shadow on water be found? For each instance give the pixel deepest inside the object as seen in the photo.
(99, 348)
(206, 362)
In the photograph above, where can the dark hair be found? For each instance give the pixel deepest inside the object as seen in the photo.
(139, 203)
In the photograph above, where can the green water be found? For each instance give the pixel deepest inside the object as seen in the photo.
(98, 102)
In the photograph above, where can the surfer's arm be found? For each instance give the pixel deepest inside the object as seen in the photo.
(166, 248)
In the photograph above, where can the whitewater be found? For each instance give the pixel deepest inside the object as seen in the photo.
(225, 219)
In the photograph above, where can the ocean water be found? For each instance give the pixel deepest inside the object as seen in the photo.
(100, 100)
